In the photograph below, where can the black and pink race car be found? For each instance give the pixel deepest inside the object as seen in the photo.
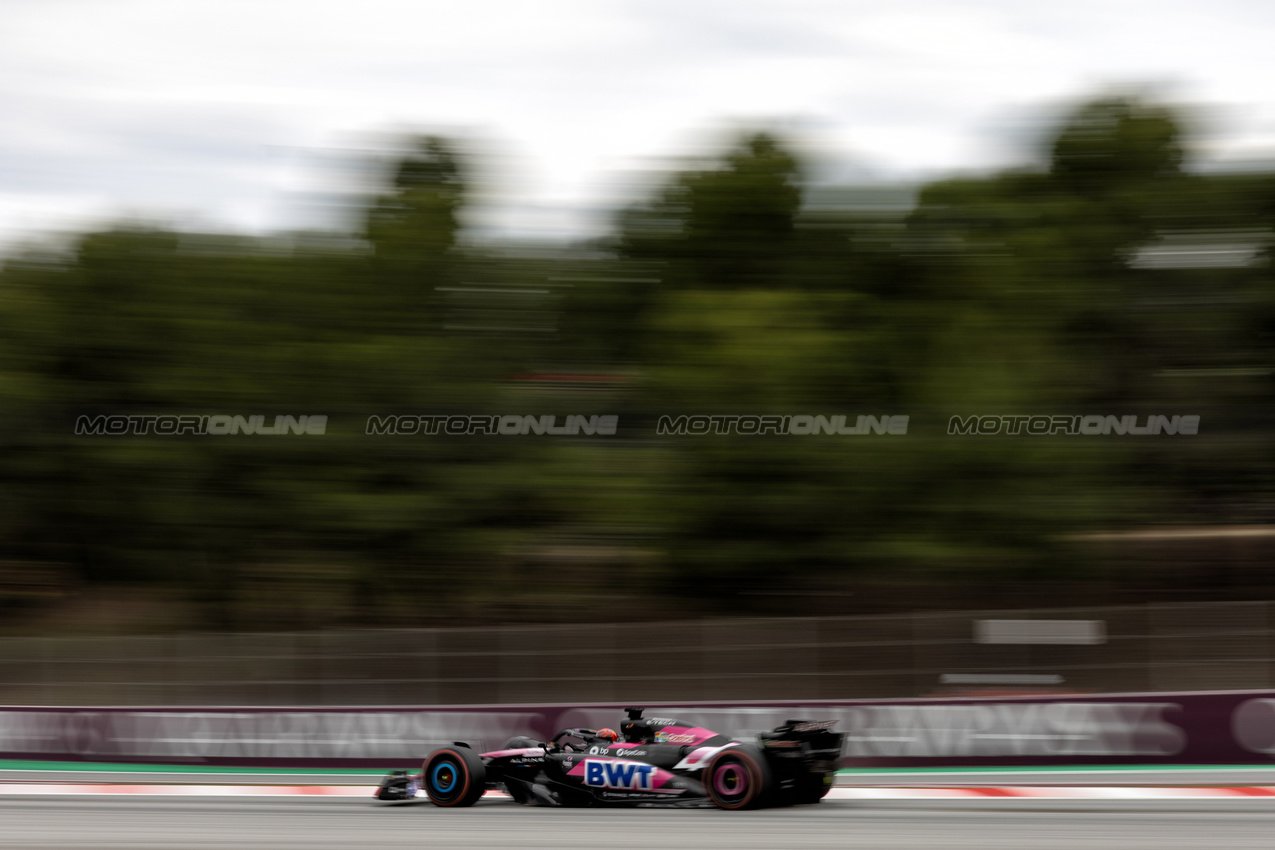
(653, 761)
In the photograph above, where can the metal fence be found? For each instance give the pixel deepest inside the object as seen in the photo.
(1116, 649)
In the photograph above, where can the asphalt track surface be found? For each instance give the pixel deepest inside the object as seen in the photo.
(317, 824)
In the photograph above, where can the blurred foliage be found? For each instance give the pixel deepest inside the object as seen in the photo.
(1036, 291)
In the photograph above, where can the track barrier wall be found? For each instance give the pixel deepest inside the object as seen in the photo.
(1233, 728)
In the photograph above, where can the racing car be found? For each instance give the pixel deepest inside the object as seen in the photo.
(654, 761)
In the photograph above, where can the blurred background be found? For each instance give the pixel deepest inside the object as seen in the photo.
(1071, 249)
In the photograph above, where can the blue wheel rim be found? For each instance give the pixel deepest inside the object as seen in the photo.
(448, 782)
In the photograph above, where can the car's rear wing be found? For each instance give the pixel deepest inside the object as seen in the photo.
(807, 739)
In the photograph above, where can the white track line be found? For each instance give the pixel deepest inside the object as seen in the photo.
(1041, 792)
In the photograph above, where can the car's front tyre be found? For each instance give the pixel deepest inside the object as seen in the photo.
(454, 777)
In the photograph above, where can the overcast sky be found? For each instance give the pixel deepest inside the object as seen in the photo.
(247, 114)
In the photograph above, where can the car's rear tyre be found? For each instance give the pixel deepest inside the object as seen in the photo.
(812, 789)
(454, 777)
(520, 742)
(738, 778)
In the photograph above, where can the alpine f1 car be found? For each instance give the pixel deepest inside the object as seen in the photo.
(654, 761)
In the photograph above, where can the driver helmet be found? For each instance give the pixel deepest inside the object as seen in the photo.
(609, 734)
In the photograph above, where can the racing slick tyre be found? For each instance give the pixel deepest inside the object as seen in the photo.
(738, 778)
(812, 789)
(454, 777)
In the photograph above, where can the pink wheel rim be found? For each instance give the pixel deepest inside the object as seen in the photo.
(731, 780)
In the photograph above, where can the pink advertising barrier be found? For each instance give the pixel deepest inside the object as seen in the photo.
(1233, 727)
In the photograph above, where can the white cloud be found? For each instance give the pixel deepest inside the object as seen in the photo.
(220, 108)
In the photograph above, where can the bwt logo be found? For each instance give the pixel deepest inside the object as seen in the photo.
(618, 774)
